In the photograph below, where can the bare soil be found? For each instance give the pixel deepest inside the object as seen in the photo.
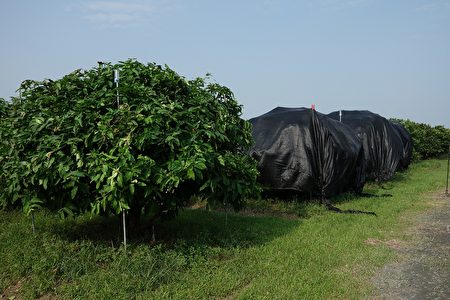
(422, 270)
(12, 292)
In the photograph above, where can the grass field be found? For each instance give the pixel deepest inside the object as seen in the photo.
(273, 250)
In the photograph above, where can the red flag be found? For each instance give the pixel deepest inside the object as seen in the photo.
(313, 106)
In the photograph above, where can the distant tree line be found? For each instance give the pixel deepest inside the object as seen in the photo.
(429, 141)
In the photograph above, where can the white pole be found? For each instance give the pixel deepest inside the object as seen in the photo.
(116, 80)
(124, 231)
(448, 170)
(32, 222)
(340, 116)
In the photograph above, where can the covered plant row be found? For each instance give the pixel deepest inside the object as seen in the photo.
(302, 150)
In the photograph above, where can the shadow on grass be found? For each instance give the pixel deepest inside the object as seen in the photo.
(263, 220)
(398, 177)
(99, 229)
(307, 205)
(190, 227)
(349, 197)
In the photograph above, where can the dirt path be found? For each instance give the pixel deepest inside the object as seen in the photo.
(423, 268)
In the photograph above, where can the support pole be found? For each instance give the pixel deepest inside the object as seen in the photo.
(32, 222)
(448, 170)
(124, 231)
(116, 80)
(153, 233)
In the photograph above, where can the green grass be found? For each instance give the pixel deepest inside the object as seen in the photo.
(273, 250)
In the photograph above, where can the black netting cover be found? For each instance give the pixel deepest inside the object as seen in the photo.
(302, 150)
(383, 147)
(407, 145)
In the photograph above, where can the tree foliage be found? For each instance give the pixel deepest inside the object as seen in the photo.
(428, 141)
(3, 107)
(68, 145)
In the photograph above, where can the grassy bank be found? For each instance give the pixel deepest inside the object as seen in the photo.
(284, 251)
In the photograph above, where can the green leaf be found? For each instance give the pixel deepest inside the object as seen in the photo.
(73, 192)
(33, 204)
(120, 180)
(190, 174)
(65, 212)
(76, 174)
(221, 160)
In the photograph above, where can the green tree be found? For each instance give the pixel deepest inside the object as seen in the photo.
(69, 145)
(428, 141)
(3, 107)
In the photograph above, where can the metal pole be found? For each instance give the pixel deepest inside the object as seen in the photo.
(340, 116)
(32, 222)
(448, 170)
(153, 233)
(116, 80)
(124, 231)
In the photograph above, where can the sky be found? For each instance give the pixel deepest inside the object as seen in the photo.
(391, 57)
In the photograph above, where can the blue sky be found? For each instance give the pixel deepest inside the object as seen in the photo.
(390, 57)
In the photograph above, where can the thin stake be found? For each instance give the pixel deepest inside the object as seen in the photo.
(116, 80)
(448, 169)
(32, 222)
(124, 231)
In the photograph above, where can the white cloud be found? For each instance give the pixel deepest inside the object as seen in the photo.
(115, 13)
